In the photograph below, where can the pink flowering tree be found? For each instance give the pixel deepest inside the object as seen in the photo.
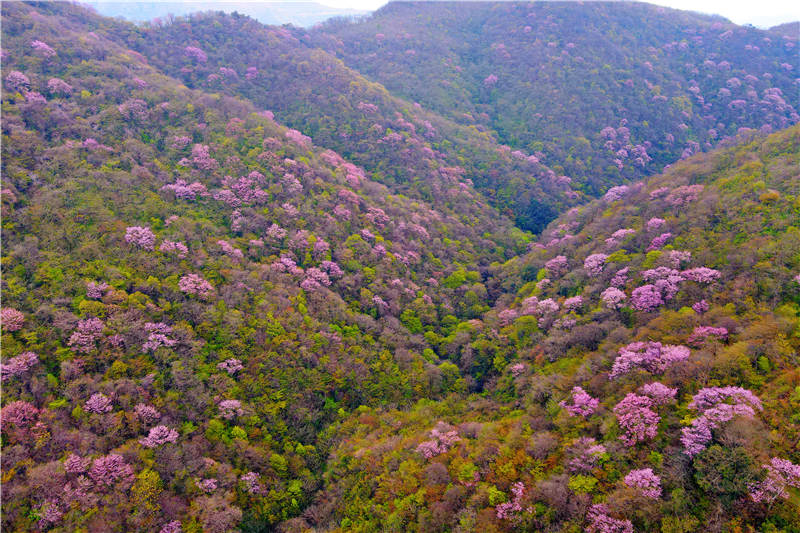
(716, 406)
(11, 319)
(613, 298)
(230, 409)
(195, 285)
(507, 510)
(441, 441)
(582, 403)
(231, 366)
(557, 266)
(18, 366)
(158, 436)
(585, 455)
(652, 357)
(636, 417)
(141, 237)
(600, 521)
(594, 264)
(98, 403)
(648, 483)
(86, 335)
(781, 474)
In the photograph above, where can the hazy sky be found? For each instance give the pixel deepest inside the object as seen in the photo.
(757, 13)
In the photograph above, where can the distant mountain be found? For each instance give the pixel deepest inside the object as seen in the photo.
(303, 14)
(608, 91)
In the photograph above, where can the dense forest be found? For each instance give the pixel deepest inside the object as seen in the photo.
(264, 278)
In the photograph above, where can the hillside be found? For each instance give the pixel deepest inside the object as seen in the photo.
(245, 288)
(618, 407)
(608, 91)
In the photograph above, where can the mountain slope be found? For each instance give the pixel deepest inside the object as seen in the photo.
(538, 454)
(609, 91)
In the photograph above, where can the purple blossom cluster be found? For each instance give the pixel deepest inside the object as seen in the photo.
(42, 48)
(646, 481)
(507, 509)
(134, 109)
(230, 409)
(252, 483)
(18, 366)
(110, 470)
(96, 290)
(19, 413)
(573, 303)
(556, 266)
(159, 435)
(195, 53)
(231, 366)
(187, 191)
(652, 357)
(637, 418)
(683, 195)
(658, 392)
(228, 249)
(620, 278)
(175, 248)
(601, 522)
(658, 242)
(11, 319)
(613, 298)
(147, 413)
(701, 274)
(781, 474)
(716, 406)
(701, 333)
(441, 441)
(17, 81)
(86, 334)
(582, 403)
(142, 237)
(700, 307)
(594, 264)
(98, 403)
(158, 336)
(196, 285)
(585, 455)
(59, 86)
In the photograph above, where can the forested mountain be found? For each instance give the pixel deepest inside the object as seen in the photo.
(245, 288)
(607, 90)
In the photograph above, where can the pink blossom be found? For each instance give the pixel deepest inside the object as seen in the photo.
(594, 264)
(441, 441)
(134, 109)
(11, 319)
(505, 510)
(59, 86)
(172, 247)
(658, 242)
(652, 357)
(172, 527)
(646, 481)
(142, 237)
(700, 333)
(98, 403)
(601, 522)
(635, 416)
(231, 366)
(207, 485)
(194, 284)
(781, 474)
(658, 392)
(17, 81)
(147, 413)
(701, 275)
(615, 193)
(74, 464)
(158, 336)
(700, 307)
(109, 470)
(86, 334)
(252, 484)
(159, 435)
(95, 290)
(646, 298)
(585, 455)
(42, 48)
(556, 266)
(230, 409)
(620, 278)
(712, 403)
(19, 365)
(613, 298)
(19, 413)
(195, 53)
(582, 403)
